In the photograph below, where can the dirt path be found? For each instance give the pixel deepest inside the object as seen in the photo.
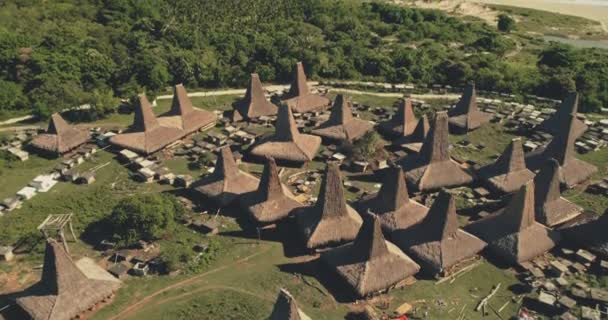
(212, 287)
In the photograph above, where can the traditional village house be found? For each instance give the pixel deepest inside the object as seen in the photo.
(465, 116)
(184, 116)
(254, 104)
(146, 135)
(561, 148)
(299, 98)
(403, 123)
(272, 201)
(286, 308)
(392, 203)
(342, 126)
(437, 243)
(568, 107)
(551, 208)
(370, 264)
(509, 172)
(330, 220)
(227, 181)
(512, 233)
(287, 143)
(60, 137)
(432, 168)
(414, 140)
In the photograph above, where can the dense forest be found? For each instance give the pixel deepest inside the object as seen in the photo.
(63, 53)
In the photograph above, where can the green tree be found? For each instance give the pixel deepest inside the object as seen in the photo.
(505, 23)
(103, 102)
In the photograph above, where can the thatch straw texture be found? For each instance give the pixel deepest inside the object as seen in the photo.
(342, 126)
(60, 137)
(509, 172)
(184, 116)
(551, 208)
(466, 116)
(299, 98)
(255, 104)
(403, 123)
(286, 308)
(560, 118)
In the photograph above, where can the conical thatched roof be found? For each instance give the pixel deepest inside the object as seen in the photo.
(255, 104)
(272, 201)
(341, 124)
(588, 231)
(370, 264)
(184, 116)
(403, 123)
(331, 220)
(561, 148)
(146, 134)
(513, 233)
(465, 116)
(286, 308)
(60, 137)
(551, 208)
(419, 134)
(227, 181)
(509, 172)
(64, 291)
(299, 98)
(287, 143)
(392, 203)
(560, 118)
(432, 168)
(437, 242)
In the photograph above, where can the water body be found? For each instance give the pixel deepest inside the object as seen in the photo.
(579, 43)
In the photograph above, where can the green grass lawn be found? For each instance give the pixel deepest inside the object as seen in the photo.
(16, 175)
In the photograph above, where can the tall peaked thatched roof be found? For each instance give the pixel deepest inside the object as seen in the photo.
(60, 137)
(551, 208)
(341, 124)
(509, 172)
(370, 264)
(331, 220)
(561, 148)
(227, 181)
(183, 115)
(287, 143)
(432, 168)
(272, 201)
(146, 135)
(403, 123)
(255, 104)
(64, 291)
(286, 308)
(437, 242)
(560, 118)
(299, 98)
(392, 203)
(466, 116)
(513, 233)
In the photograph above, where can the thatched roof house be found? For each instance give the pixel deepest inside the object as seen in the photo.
(432, 168)
(272, 201)
(419, 134)
(60, 137)
(254, 104)
(551, 208)
(561, 148)
(465, 116)
(64, 291)
(184, 116)
(588, 231)
(286, 308)
(299, 98)
(403, 123)
(146, 135)
(560, 118)
(370, 264)
(330, 221)
(392, 203)
(342, 126)
(512, 233)
(509, 172)
(227, 181)
(287, 143)
(437, 242)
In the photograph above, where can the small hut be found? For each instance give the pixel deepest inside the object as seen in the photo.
(60, 137)
(342, 126)
(392, 203)
(559, 120)
(370, 264)
(254, 104)
(227, 181)
(272, 201)
(146, 135)
(432, 168)
(509, 172)
(437, 242)
(551, 208)
(184, 116)
(465, 116)
(299, 98)
(287, 143)
(512, 233)
(286, 308)
(403, 123)
(330, 221)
